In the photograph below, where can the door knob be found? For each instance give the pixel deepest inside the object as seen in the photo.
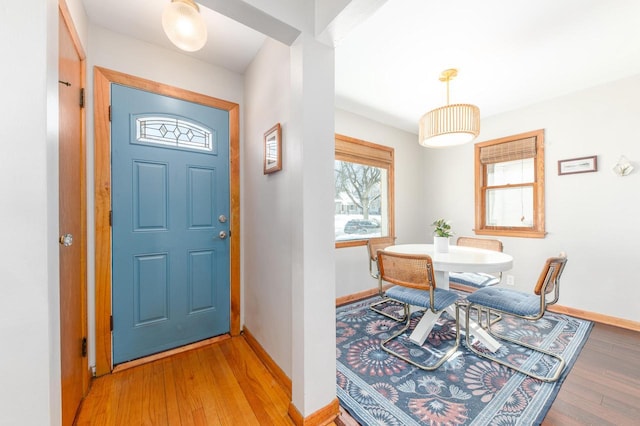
(222, 235)
(66, 240)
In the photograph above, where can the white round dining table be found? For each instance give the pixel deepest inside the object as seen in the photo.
(458, 259)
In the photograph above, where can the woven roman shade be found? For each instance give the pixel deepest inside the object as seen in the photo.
(508, 151)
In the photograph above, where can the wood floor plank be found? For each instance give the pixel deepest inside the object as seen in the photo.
(100, 406)
(170, 393)
(129, 400)
(153, 401)
(187, 395)
(109, 412)
(234, 409)
(629, 408)
(567, 413)
(592, 413)
(268, 400)
(200, 418)
(213, 404)
(96, 404)
(602, 388)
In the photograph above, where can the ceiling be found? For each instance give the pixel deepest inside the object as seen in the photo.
(230, 44)
(509, 54)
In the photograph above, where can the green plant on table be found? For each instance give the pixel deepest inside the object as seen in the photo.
(442, 228)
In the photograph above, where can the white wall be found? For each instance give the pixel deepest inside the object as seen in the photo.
(311, 133)
(594, 217)
(114, 51)
(266, 206)
(287, 221)
(29, 274)
(352, 270)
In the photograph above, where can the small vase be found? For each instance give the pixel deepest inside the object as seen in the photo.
(441, 244)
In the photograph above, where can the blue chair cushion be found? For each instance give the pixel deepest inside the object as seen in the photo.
(473, 279)
(504, 299)
(441, 298)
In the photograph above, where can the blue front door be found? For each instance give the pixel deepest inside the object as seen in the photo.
(170, 202)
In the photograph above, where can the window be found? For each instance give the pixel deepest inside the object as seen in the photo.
(510, 186)
(172, 132)
(364, 191)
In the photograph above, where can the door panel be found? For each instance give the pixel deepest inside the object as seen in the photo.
(150, 289)
(201, 186)
(150, 190)
(170, 180)
(202, 270)
(72, 209)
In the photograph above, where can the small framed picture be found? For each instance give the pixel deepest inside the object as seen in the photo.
(578, 165)
(273, 149)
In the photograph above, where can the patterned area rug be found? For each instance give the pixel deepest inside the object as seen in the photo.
(377, 388)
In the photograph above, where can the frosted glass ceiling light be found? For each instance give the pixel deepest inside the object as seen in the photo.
(184, 26)
(451, 124)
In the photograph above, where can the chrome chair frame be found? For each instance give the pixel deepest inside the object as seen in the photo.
(412, 279)
(373, 245)
(482, 243)
(549, 281)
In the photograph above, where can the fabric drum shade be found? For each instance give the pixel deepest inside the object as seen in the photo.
(449, 125)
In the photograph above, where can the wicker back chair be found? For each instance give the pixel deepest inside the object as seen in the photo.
(373, 245)
(504, 301)
(471, 281)
(386, 305)
(483, 243)
(415, 285)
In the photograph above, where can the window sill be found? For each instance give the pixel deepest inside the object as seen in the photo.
(521, 233)
(351, 243)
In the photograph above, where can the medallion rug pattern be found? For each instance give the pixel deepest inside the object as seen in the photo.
(377, 388)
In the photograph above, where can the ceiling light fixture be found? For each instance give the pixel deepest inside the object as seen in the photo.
(451, 124)
(184, 25)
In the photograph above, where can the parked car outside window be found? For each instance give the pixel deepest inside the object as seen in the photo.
(361, 226)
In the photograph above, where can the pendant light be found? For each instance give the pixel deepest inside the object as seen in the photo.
(183, 24)
(451, 124)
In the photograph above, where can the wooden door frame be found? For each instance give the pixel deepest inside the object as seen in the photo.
(68, 20)
(103, 78)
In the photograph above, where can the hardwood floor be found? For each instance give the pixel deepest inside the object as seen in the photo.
(603, 387)
(220, 384)
(226, 384)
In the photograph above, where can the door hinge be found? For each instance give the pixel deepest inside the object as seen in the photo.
(82, 97)
(84, 347)
(110, 217)
(109, 112)
(111, 323)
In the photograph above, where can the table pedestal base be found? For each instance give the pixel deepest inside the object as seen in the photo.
(428, 320)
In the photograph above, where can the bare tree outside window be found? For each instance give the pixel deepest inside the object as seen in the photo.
(363, 191)
(361, 184)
